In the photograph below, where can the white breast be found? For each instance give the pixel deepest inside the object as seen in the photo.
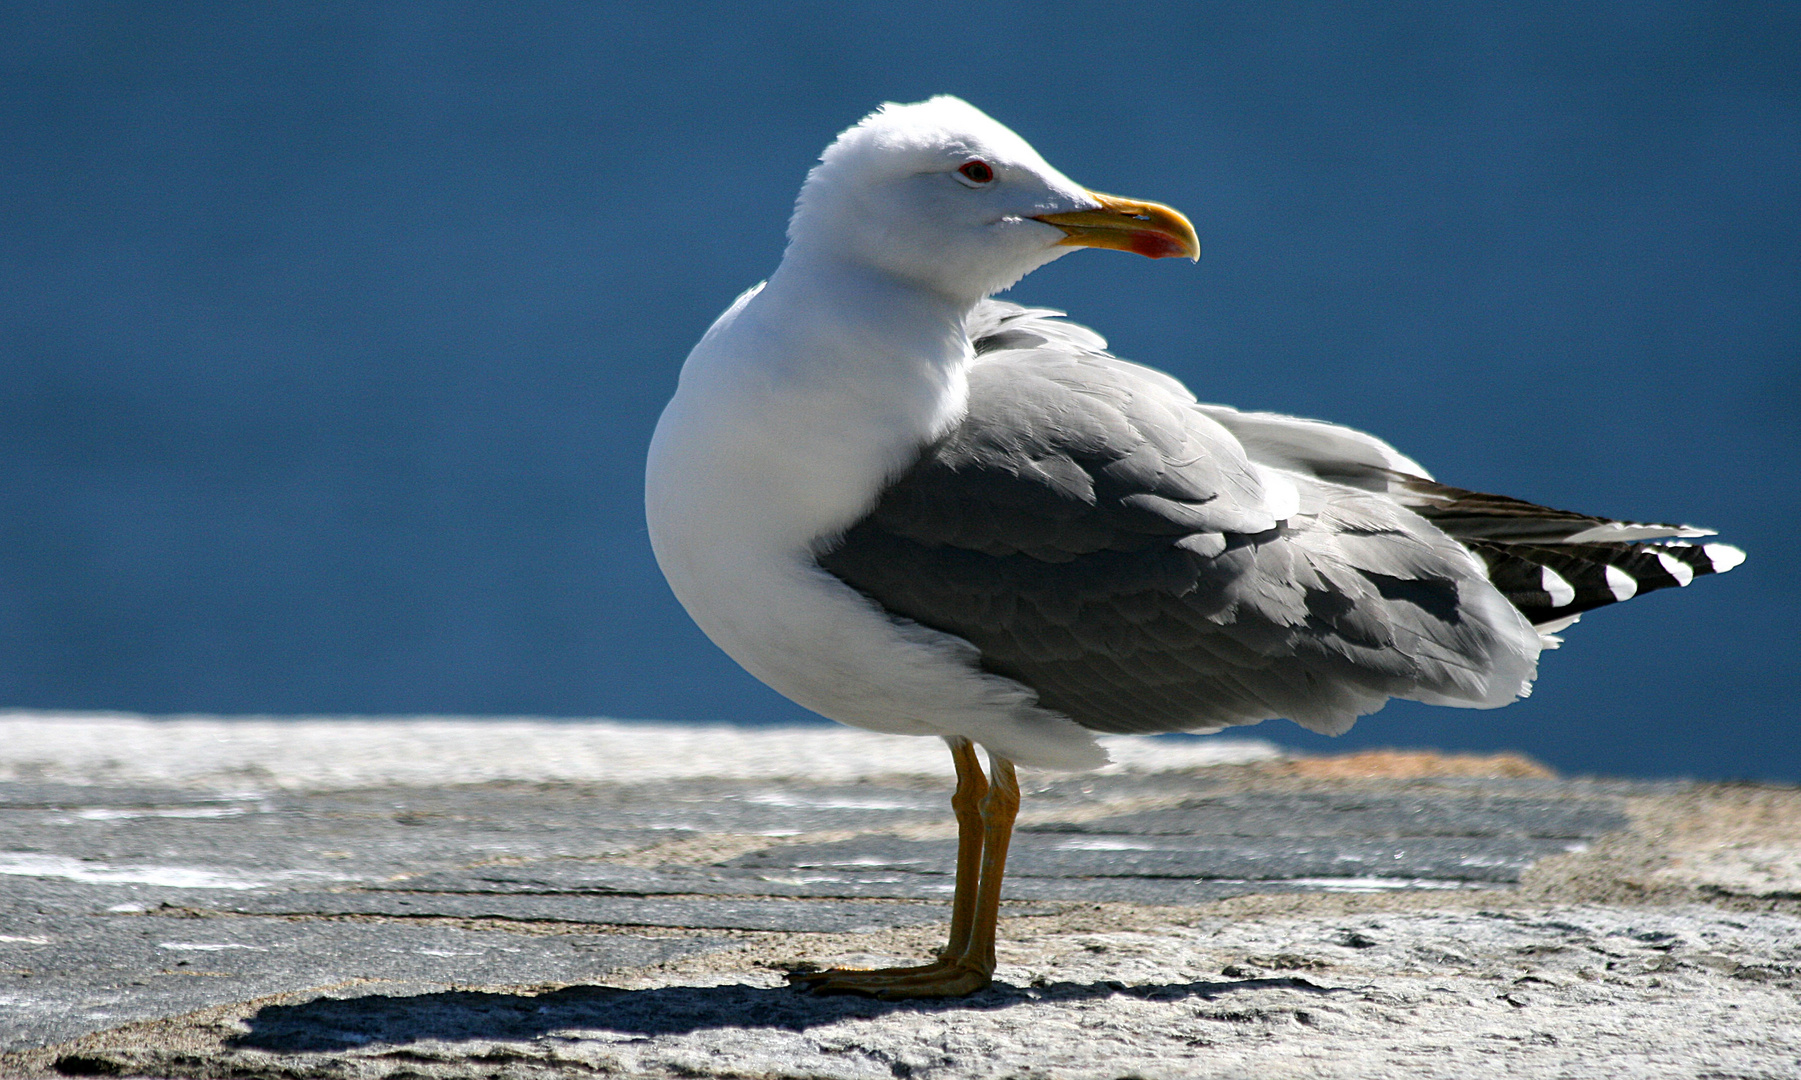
(782, 433)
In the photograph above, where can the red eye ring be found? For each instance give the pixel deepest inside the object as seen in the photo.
(977, 171)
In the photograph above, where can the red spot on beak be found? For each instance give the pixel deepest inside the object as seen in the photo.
(1156, 245)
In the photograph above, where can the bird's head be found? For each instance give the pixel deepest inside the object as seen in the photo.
(941, 195)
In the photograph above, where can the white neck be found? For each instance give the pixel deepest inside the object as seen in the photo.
(847, 322)
(802, 403)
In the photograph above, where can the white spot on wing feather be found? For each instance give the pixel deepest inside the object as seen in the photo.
(1723, 556)
(1676, 568)
(1620, 582)
(1562, 592)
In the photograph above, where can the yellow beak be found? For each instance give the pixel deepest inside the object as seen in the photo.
(1148, 228)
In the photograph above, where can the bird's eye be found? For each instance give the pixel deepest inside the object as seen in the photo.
(976, 172)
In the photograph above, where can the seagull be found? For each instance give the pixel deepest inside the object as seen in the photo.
(915, 509)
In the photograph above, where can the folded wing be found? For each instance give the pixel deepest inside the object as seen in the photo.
(1148, 564)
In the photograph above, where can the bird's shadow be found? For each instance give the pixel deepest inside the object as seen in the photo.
(347, 1023)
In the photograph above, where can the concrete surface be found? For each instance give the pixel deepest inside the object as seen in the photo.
(308, 902)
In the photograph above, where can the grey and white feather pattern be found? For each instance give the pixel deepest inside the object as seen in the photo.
(1146, 563)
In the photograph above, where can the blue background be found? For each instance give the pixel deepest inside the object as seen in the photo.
(331, 337)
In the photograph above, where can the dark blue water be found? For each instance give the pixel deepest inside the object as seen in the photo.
(331, 336)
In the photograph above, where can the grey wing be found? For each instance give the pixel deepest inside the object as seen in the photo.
(1104, 541)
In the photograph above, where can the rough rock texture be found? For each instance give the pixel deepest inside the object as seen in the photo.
(1358, 991)
(1375, 915)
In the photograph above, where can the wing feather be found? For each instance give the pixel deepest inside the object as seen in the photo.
(1106, 541)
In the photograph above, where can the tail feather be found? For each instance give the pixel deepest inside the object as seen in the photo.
(1556, 564)
(1473, 515)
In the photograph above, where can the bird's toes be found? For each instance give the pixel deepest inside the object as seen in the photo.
(939, 979)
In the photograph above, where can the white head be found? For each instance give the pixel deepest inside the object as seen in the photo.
(941, 195)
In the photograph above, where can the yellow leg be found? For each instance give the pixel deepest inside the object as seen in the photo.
(999, 808)
(966, 801)
(985, 815)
